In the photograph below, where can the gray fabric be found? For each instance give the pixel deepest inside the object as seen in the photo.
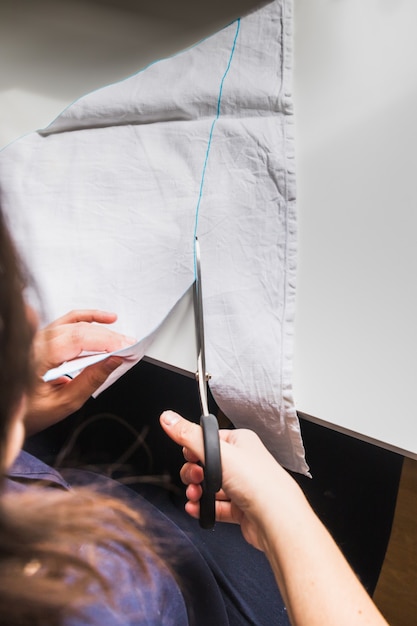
(106, 201)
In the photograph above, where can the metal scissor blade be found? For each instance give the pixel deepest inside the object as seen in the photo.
(212, 461)
(201, 374)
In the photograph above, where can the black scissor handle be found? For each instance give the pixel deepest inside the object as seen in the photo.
(212, 470)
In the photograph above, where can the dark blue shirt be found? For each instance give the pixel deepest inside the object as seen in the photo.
(223, 580)
(139, 601)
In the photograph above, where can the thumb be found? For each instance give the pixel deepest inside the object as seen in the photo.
(183, 432)
(89, 380)
(95, 375)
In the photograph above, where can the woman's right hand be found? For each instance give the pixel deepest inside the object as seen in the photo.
(252, 479)
(317, 584)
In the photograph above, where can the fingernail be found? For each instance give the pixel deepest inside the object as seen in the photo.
(170, 418)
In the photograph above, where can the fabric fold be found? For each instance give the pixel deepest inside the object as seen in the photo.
(105, 204)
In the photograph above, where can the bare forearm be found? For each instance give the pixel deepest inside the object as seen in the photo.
(316, 582)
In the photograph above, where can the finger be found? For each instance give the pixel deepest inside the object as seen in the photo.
(77, 391)
(70, 340)
(191, 473)
(85, 315)
(183, 432)
(224, 511)
(189, 456)
(62, 380)
(193, 509)
(220, 495)
(194, 492)
(90, 337)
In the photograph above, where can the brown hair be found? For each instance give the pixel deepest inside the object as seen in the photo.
(15, 335)
(43, 575)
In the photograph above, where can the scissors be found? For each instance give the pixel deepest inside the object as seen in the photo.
(212, 463)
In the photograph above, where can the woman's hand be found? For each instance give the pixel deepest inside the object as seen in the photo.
(63, 340)
(317, 584)
(248, 472)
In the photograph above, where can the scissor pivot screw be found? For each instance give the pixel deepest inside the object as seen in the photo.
(207, 376)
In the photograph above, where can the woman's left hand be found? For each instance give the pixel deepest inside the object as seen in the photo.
(63, 340)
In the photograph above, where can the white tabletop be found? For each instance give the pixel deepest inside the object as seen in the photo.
(355, 80)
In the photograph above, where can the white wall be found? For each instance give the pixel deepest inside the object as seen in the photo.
(356, 106)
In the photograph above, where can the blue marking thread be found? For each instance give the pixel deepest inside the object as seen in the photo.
(203, 174)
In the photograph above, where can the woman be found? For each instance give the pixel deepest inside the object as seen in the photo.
(104, 556)
(60, 551)
(78, 556)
